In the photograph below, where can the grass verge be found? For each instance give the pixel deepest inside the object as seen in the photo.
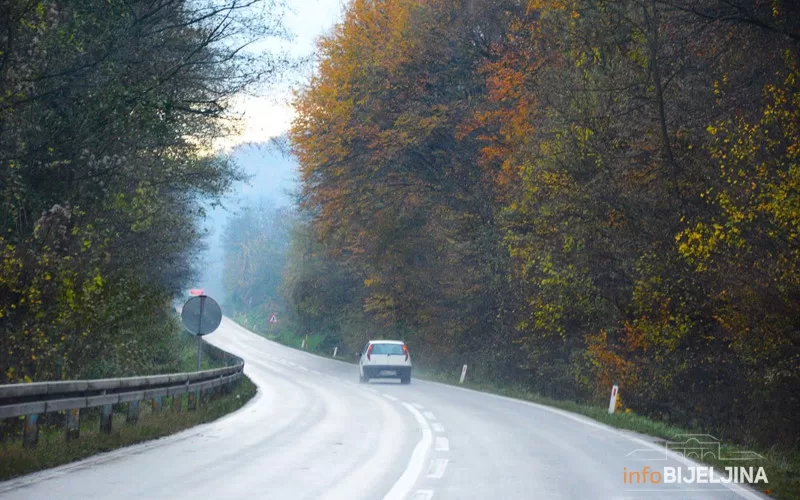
(782, 467)
(53, 449)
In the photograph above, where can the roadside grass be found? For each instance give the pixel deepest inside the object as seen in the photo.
(53, 449)
(782, 466)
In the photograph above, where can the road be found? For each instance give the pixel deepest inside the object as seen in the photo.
(313, 432)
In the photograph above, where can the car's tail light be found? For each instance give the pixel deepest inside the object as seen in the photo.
(405, 351)
(369, 352)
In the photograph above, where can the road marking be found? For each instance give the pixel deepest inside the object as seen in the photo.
(315, 372)
(736, 488)
(442, 444)
(437, 468)
(430, 416)
(419, 406)
(416, 463)
(389, 397)
(422, 495)
(370, 389)
(437, 427)
(302, 368)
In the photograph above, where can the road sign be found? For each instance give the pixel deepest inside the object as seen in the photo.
(196, 291)
(201, 315)
(273, 319)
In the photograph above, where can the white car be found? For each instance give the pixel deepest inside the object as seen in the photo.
(385, 359)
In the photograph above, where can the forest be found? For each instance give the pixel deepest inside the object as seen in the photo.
(564, 194)
(110, 113)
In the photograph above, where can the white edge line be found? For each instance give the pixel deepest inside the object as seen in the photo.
(389, 397)
(402, 487)
(736, 488)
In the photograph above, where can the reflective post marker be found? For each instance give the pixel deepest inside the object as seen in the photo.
(303, 344)
(463, 374)
(612, 404)
(335, 350)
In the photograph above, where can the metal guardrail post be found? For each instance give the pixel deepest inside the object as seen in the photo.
(73, 424)
(177, 402)
(158, 401)
(30, 435)
(106, 419)
(133, 412)
(192, 401)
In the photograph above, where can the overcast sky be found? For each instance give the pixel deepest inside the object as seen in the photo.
(270, 115)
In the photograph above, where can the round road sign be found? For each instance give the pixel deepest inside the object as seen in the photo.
(201, 315)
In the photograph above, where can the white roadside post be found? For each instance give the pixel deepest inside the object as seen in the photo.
(303, 344)
(335, 350)
(463, 374)
(612, 404)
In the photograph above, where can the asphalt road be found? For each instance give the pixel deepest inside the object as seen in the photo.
(313, 432)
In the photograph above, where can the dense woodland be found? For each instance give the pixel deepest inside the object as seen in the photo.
(109, 110)
(564, 194)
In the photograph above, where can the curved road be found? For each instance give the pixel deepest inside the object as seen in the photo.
(313, 432)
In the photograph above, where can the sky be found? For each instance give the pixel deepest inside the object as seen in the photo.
(270, 115)
(273, 176)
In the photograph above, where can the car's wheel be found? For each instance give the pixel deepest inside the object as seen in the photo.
(362, 379)
(406, 378)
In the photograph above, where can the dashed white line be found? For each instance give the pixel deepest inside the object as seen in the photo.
(302, 368)
(437, 427)
(370, 389)
(418, 406)
(437, 468)
(422, 495)
(429, 415)
(389, 397)
(315, 372)
(442, 444)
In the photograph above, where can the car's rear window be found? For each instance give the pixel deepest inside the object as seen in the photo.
(387, 348)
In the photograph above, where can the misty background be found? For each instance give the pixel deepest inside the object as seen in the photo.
(273, 178)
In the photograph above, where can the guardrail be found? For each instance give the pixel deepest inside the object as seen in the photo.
(34, 399)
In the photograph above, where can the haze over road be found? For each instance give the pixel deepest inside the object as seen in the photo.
(314, 432)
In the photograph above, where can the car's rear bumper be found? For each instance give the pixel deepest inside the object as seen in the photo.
(388, 371)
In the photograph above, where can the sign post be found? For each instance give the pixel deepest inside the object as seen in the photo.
(273, 320)
(201, 315)
(463, 374)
